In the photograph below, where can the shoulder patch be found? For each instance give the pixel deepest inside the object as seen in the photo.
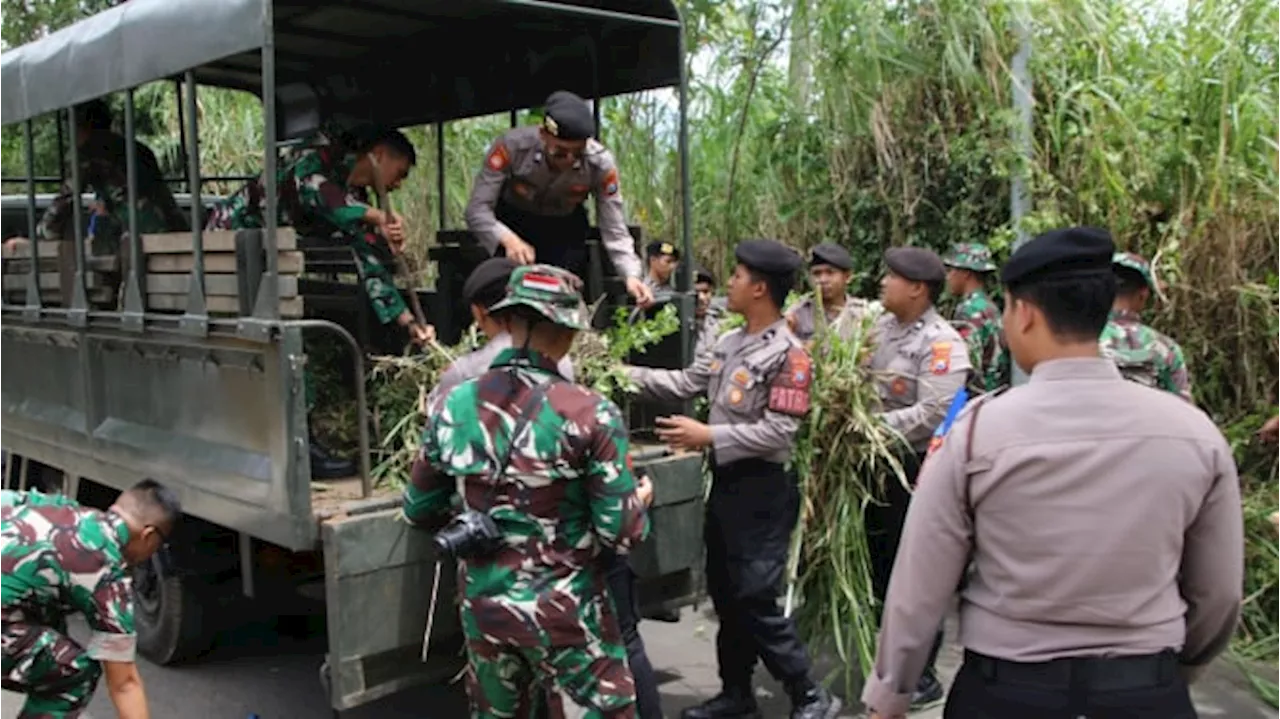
(789, 393)
(498, 158)
(609, 186)
(940, 361)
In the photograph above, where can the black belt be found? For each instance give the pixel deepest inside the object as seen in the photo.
(1104, 674)
(748, 465)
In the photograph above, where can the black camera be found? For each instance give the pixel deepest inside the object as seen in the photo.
(469, 535)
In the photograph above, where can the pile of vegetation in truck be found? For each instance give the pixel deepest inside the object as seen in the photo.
(191, 362)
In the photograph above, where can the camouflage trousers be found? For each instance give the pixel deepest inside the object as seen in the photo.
(53, 670)
(579, 682)
(377, 273)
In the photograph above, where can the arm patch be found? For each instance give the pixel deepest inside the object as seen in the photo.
(789, 393)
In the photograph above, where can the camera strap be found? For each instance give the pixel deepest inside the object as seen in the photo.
(526, 413)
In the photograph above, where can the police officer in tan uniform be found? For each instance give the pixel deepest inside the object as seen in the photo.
(830, 269)
(706, 317)
(527, 200)
(1102, 520)
(662, 258)
(920, 362)
(757, 378)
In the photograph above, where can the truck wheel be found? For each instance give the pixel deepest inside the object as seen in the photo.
(168, 613)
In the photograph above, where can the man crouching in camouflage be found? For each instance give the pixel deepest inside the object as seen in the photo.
(541, 467)
(61, 558)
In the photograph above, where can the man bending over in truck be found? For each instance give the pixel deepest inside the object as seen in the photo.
(323, 192)
(60, 558)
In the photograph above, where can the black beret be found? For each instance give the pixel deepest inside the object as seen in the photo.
(768, 256)
(916, 264)
(662, 248)
(829, 253)
(495, 271)
(568, 116)
(1061, 253)
(702, 274)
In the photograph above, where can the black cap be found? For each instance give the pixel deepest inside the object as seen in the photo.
(702, 274)
(492, 274)
(1072, 251)
(568, 116)
(662, 248)
(768, 256)
(829, 253)
(916, 264)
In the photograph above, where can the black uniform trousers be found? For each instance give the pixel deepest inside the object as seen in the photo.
(1147, 687)
(884, 523)
(751, 513)
(559, 241)
(622, 585)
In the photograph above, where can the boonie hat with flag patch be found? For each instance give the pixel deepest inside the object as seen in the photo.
(553, 292)
(1134, 261)
(972, 256)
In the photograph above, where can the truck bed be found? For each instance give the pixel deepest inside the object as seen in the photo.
(336, 497)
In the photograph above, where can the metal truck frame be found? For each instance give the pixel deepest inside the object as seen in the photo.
(213, 406)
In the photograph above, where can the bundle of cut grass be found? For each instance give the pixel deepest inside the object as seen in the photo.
(843, 455)
(397, 385)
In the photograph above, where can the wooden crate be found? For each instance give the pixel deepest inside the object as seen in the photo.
(55, 262)
(170, 260)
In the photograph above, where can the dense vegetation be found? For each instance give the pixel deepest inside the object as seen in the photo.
(881, 122)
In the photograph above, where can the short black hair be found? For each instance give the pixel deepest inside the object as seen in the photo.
(779, 285)
(1075, 307)
(1129, 282)
(94, 114)
(393, 140)
(158, 501)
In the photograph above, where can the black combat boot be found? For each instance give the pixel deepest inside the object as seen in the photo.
(810, 701)
(326, 466)
(732, 703)
(928, 689)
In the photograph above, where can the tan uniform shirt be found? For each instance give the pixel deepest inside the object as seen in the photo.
(843, 323)
(758, 386)
(708, 331)
(515, 171)
(1102, 519)
(919, 367)
(477, 362)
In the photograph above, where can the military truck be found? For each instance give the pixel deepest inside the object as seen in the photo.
(180, 356)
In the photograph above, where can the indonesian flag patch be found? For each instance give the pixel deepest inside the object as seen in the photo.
(543, 283)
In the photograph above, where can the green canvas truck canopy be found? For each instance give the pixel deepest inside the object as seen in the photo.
(393, 62)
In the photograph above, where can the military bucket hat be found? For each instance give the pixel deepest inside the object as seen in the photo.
(972, 256)
(551, 291)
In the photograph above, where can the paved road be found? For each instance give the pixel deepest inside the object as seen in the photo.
(273, 671)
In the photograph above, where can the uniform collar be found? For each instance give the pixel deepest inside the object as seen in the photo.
(1075, 368)
(768, 333)
(119, 529)
(525, 358)
(1125, 316)
(975, 294)
(930, 315)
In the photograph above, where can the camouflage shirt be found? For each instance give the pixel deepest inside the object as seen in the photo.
(1144, 355)
(316, 201)
(60, 558)
(103, 167)
(977, 319)
(567, 494)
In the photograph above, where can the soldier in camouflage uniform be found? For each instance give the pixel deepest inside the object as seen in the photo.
(103, 157)
(60, 558)
(536, 613)
(323, 190)
(1142, 354)
(976, 316)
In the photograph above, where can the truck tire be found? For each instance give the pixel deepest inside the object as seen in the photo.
(168, 613)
